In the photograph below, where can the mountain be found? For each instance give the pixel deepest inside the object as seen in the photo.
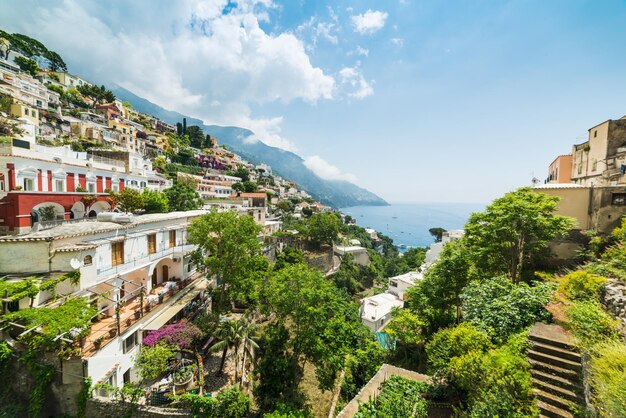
(290, 166)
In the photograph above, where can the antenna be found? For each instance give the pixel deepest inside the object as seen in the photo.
(75, 263)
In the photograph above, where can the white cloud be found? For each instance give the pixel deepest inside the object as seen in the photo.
(369, 22)
(359, 87)
(362, 51)
(326, 170)
(399, 42)
(192, 56)
(315, 30)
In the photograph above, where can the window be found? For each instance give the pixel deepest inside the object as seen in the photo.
(126, 376)
(117, 253)
(393, 284)
(172, 240)
(151, 243)
(618, 199)
(26, 112)
(29, 185)
(91, 187)
(595, 133)
(87, 260)
(130, 342)
(1, 185)
(59, 186)
(580, 168)
(594, 166)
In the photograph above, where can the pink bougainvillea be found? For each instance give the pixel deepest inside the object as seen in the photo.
(181, 334)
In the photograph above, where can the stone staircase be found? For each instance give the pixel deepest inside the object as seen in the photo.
(556, 371)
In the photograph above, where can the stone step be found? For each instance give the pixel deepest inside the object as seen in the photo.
(567, 394)
(553, 379)
(549, 411)
(555, 361)
(548, 341)
(556, 351)
(553, 400)
(554, 370)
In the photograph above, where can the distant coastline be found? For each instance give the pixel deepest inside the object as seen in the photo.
(408, 223)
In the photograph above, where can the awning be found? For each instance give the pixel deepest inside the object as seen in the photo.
(177, 306)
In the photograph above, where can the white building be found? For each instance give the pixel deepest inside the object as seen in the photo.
(359, 253)
(139, 267)
(398, 285)
(376, 310)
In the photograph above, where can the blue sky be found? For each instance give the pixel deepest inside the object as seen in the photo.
(415, 100)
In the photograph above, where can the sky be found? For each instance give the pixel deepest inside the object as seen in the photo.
(417, 101)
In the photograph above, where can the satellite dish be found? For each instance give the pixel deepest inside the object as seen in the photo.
(75, 263)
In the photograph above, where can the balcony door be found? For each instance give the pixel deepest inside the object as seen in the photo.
(154, 278)
(166, 273)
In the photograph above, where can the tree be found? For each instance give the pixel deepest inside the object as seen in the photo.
(437, 233)
(285, 206)
(241, 172)
(277, 371)
(414, 257)
(323, 228)
(160, 164)
(152, 361)
(289, 256)
(227, 334)
(129, 200)
(196, 136)
(323, 323)
(55, 62)
(249, 186)
(406, 327)
(361, 365)
(27, 65)
(155, 202)
(238, 187)
(230, 250)
(182, 197)
(447, 278)
(513, 231)
(96, 94)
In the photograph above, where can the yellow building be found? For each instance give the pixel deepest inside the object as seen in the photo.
(21, 110)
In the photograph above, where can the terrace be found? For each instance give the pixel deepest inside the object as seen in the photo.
(154, 310)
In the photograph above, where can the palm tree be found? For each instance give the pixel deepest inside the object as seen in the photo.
(248, 345)
(227, 333)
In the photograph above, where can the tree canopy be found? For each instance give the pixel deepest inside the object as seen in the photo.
(513, 231)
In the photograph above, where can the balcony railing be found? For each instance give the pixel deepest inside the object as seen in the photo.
(132, 264)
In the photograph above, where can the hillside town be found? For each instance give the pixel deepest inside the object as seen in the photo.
(146, 270)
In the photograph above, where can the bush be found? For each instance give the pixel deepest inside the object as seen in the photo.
(608, 379)
(454, 342)
(581, 285)
(361, 366)
(497, 382)
(590, 324)
(501, 308)
(398, 397)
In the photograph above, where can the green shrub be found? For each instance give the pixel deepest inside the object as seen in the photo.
(454, 342)
(591, 324)
(501, 308)
(398, 397)
(497, 383)
(581, 285)
(608, 379)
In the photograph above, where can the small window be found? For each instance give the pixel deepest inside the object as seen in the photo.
(91, 187)
(29, 185)
(88, 260)
(26, 112)
(393, 284)
(130, 342)
(595, 133)
(58, 186)
(619, 199)
(117, 253)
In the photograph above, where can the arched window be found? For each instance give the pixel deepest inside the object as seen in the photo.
(87, 260)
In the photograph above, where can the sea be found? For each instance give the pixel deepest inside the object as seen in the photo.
(408, 223)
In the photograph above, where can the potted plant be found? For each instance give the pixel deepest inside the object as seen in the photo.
(112, 332)
(129, 321)
(183, 376)
(98, 342)
(137, 314)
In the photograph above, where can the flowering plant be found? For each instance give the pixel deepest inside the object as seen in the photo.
(181, 334)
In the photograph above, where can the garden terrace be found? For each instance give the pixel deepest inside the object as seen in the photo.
(153, 310)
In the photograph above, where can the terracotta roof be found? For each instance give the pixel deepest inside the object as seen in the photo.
(253, 195)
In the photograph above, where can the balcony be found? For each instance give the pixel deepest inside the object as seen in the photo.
(142, 261)
(136, 308)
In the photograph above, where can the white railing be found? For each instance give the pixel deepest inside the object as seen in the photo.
(130, 265)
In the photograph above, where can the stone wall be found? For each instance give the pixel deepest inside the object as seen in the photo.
(614, 298)
(322, 260)
(98, 407)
